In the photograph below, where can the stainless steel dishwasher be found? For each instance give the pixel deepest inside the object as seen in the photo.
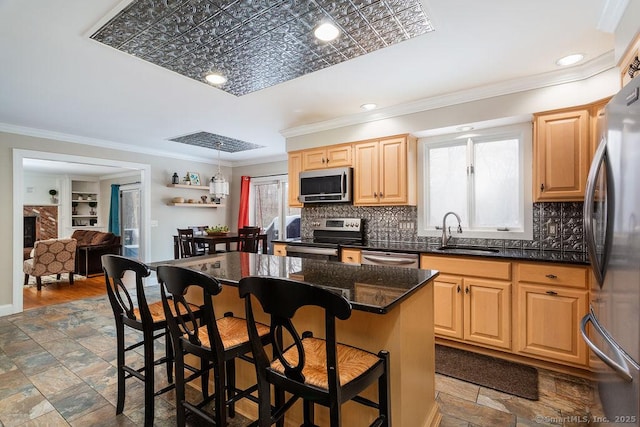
(390, 259)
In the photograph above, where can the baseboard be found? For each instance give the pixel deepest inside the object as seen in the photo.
(6, 310)
(434, 418)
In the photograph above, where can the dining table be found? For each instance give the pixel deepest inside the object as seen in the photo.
(392, 309)
(211, 240)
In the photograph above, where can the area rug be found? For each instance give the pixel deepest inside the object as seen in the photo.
(52, 279)
(486, 371)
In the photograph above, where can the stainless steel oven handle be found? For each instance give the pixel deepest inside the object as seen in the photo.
(389, 260)
(622, 371)
(590, 240)
(311, 250)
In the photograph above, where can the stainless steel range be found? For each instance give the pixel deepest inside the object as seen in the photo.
(328, 235)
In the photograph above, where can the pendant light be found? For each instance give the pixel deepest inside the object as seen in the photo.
(219, 187)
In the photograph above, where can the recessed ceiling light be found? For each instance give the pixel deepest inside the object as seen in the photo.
(369, 106)
(570, 59)
(326, 32)
(465, 128)
(216, 78)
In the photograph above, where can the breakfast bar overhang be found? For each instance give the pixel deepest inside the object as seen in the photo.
(392, 310)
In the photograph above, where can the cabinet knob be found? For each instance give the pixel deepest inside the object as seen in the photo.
(458, 288)
(551, 276)
(375, 194)
(323, 160)
(553, 293)
(466, 290)
(541, 187)
(381, 196)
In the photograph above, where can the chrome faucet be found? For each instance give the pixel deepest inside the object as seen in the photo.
(446, 239)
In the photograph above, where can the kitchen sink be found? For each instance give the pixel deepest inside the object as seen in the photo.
(468, 249)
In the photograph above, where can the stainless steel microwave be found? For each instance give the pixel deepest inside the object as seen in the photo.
(326, 185)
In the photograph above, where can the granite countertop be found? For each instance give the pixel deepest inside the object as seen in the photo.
(369, 288)
(541, 255)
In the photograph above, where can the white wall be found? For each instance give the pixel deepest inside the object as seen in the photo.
(37, 186)
(168, 218)
(513, 105)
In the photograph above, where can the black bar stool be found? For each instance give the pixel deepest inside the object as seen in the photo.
(216, 342)
(316, 370)
(145, 317)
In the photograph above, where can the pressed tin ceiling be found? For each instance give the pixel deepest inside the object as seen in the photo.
(258, 44)
(216, 142)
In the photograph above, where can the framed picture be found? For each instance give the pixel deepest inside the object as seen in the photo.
(194, 177)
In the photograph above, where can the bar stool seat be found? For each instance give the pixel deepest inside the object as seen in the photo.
(353, 362)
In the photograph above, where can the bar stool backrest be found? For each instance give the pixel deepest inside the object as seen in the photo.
(281, 298)
(115, 267)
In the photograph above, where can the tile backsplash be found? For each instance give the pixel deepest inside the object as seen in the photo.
(556, 226)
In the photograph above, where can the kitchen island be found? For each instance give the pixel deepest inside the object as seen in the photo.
(392, 310)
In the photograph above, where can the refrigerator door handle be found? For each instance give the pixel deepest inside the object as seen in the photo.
(617, 366)
(590, 241)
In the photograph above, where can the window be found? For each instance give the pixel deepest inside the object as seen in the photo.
(268, 209)
(484, 177)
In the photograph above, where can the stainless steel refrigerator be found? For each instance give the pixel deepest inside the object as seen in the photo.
(612, 232)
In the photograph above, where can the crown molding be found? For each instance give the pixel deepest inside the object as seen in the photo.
(103, 143)
(581, 72)
(612, 12)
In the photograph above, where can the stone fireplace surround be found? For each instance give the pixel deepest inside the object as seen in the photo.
(46, 224)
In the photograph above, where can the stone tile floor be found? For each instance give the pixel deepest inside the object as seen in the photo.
(57, 368)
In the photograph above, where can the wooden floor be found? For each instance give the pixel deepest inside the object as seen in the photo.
(56, 293)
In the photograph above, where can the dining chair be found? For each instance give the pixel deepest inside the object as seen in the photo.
(320, 371)
(216, 342)
(187, 244)
(248, 239)
(148, 318)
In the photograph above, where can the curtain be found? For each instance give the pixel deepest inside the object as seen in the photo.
(114, 210)
(243, 213)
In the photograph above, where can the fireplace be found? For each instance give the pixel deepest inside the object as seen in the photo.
(29, 231)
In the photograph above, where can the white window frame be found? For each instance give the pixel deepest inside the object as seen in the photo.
(521, 131)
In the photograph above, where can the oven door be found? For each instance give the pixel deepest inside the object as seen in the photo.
(325, 253)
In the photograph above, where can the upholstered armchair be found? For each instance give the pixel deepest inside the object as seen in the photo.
(52, 256)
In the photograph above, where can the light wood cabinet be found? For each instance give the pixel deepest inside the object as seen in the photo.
(385, 171)
(280, 249)
(561, 158)
(351, 256)
(334, 156)
(294, 168)
(597, 123)
(630, 62)
(472, 300)
(550, 302)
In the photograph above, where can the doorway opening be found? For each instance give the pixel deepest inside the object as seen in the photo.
(121, 172)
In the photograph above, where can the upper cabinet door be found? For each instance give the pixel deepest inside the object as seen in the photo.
(339, 156)
(294, 167)
(393, 171)
(561, 145)
(314, 159)
(329, 157)
(365, 179)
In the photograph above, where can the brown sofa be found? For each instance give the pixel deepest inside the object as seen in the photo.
(92, 244)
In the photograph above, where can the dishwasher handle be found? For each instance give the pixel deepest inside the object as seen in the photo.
(388, 260)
